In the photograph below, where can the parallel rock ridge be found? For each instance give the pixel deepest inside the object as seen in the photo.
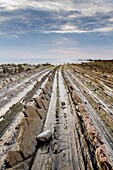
(21, 153)
(100, 154)
(67, 124)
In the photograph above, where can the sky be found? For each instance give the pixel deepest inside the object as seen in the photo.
(55, 31)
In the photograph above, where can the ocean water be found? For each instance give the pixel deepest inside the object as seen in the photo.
(26, 60)
(58, 60)
(31, 60)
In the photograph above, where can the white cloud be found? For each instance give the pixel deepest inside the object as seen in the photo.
(86, 7)
(69, 28)
(111, 19)
(104, 29)
(45, 5)
(68, 18)
(66, 50)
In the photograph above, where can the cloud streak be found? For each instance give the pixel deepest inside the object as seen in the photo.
(43, 21)
(55, 27)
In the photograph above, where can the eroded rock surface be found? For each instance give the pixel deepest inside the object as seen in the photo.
(65, 126)
(25, 145)
(44, 136)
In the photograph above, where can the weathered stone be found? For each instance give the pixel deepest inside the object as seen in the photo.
(22, 166)
(0, 85)
(37, 163)
(44, 136)
(8, 80)
(13, 157)
(47, 92)
(49, 87)
(45, 97)
(26, 141)
(39, 103)
(30, 112)
(45, 103)
(42, 113)
(102, 157)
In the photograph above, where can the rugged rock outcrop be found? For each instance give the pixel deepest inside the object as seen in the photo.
(23, 150)
(78, 137)
(92, 141)
(103, 158)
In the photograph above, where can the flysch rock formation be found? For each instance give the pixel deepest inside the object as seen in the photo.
(101, 155)
(59, 129)
(21, 153)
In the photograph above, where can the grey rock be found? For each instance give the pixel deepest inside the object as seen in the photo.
(44, 136)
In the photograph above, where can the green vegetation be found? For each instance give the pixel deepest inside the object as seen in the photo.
(50, 164)
(104, 66)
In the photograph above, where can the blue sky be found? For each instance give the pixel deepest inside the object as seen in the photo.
(55, 31)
